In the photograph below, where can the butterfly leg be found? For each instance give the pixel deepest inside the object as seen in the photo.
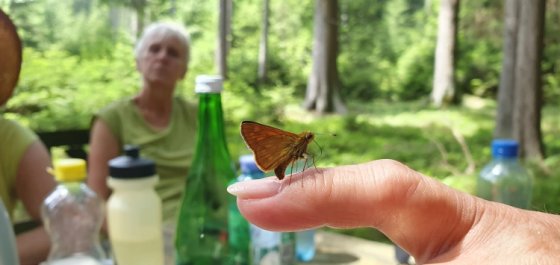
(304, 167)
(292, 168)
(313, 162)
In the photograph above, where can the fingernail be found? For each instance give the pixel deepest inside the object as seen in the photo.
(255, 189)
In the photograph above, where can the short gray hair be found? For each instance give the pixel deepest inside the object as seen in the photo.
(167, 29)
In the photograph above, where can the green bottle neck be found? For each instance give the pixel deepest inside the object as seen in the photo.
(211, 139)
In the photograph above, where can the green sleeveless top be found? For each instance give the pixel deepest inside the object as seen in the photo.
(14, 142)
(172, 148)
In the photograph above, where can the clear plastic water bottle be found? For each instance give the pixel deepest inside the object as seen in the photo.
(305, 245)
(288, 248)
(72, 215)
(264, 244)
(304, 240)
(504, 179)
(8, 251)
(267, 247)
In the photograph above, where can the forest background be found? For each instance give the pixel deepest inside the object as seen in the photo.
(78, 58)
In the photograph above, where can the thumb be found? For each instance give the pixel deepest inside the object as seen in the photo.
(408, 207)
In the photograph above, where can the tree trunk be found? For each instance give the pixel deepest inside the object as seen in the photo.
(229, 31)
(443, 90)
(114, 18)
(79, 6)
(506, 90)
(528, 90)
(140, 21)
(221, 54)
(428, 6)
(263, 46)
(140, 8)
(322, 93)
(173, 8)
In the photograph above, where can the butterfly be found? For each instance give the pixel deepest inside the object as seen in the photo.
(274, 148)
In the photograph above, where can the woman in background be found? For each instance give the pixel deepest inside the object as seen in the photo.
(160, 123)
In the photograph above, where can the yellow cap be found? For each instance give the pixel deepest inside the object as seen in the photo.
(70, 169)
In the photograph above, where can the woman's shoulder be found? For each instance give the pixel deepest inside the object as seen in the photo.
(117, 105)
(14, 141)
(122, 109)
(10, 129)
(116, 113)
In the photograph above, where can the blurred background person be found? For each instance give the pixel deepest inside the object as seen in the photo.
(162, 124)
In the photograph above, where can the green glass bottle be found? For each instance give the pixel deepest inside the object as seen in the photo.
(201, 234)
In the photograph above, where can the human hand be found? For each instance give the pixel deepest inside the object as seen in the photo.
(432, 222)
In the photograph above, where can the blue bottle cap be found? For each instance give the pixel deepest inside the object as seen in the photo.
(247, 164)
(504, 148)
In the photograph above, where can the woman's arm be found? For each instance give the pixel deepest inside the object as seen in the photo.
(103, 147)
(33, 184)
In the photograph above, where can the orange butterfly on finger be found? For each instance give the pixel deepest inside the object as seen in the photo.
(275, 149)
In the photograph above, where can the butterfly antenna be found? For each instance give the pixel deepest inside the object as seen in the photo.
(320, 148)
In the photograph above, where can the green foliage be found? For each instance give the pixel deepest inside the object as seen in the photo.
(414, 71)
(386, 47)
(89, 37)
(387, 50)
(551, 55)
(57, 91)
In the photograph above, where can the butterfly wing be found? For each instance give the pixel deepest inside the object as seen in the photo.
(272, 147)
(280, 170)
